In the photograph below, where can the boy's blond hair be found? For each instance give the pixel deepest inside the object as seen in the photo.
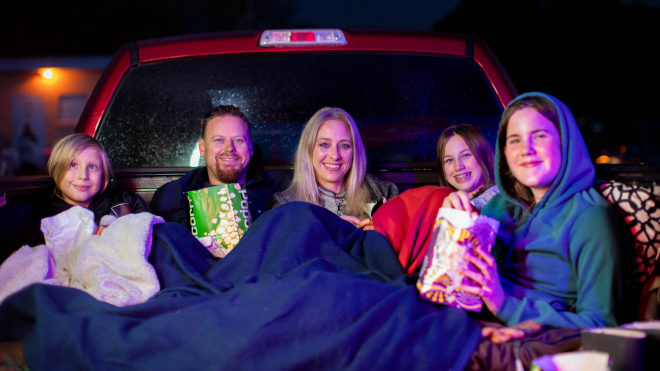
(66, 149)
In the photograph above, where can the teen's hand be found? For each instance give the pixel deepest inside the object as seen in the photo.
(500, 335)
(489, 288)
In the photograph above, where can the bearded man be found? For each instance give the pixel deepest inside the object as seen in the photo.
(226, 146)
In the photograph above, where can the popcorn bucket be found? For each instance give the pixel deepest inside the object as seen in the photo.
(220, 212)
(454, 234)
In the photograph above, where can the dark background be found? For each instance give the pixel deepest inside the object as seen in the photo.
(595, 55)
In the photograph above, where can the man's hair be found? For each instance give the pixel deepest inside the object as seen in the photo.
(479, 147)
(511, 185)
(304, 178)
(66, 149)
(220, 111)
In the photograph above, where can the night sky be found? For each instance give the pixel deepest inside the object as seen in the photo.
(593, 54)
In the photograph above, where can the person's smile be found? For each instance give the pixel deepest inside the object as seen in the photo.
(462, 177)
(332, 156)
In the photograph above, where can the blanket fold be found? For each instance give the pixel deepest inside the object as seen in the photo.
(303, 289)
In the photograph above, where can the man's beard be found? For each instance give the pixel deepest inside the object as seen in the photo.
(227, 174)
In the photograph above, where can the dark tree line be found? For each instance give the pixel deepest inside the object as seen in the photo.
(597, 55)
(83, 27)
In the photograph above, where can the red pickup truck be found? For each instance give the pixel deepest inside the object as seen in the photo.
(402, 89)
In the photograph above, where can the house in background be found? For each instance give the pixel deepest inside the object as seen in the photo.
(41, 100)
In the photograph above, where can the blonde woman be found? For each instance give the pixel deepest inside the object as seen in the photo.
(330, 170)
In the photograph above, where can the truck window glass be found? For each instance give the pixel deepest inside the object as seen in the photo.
(400, 102)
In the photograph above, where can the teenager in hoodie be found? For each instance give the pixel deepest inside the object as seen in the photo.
(557, 258)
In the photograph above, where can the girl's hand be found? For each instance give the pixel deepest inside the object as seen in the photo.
(459, 200)
(501, 335)
(490, 290)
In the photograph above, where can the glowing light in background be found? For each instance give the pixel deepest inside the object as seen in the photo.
(608, 160)
(194, 158)
(603, 159)
(49, 75)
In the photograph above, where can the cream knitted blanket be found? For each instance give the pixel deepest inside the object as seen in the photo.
(112, 267)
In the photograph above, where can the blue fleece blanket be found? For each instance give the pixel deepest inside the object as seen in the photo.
(303, 290)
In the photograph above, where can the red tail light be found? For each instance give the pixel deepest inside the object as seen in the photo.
(302, 36)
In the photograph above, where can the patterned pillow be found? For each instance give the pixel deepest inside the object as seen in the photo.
(641, 213)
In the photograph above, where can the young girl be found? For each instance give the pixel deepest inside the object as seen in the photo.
(330, 170)
(465, 163)
(81, 171)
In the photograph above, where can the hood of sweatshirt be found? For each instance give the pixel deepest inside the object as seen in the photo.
(576, 174)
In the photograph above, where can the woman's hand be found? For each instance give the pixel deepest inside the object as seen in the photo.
(366, 224)
(490, 290)
(459, 200)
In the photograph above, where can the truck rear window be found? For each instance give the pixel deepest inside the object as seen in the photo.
(400, 102)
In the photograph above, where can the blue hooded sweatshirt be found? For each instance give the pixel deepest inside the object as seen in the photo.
(560, 262)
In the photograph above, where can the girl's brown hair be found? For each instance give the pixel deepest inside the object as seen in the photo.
(479, 147)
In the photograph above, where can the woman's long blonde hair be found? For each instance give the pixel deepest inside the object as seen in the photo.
(304, 183)
(66, 149)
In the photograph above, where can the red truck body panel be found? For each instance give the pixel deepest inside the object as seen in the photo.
(188, 46)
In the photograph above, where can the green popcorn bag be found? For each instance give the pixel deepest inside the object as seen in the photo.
(220, 212)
